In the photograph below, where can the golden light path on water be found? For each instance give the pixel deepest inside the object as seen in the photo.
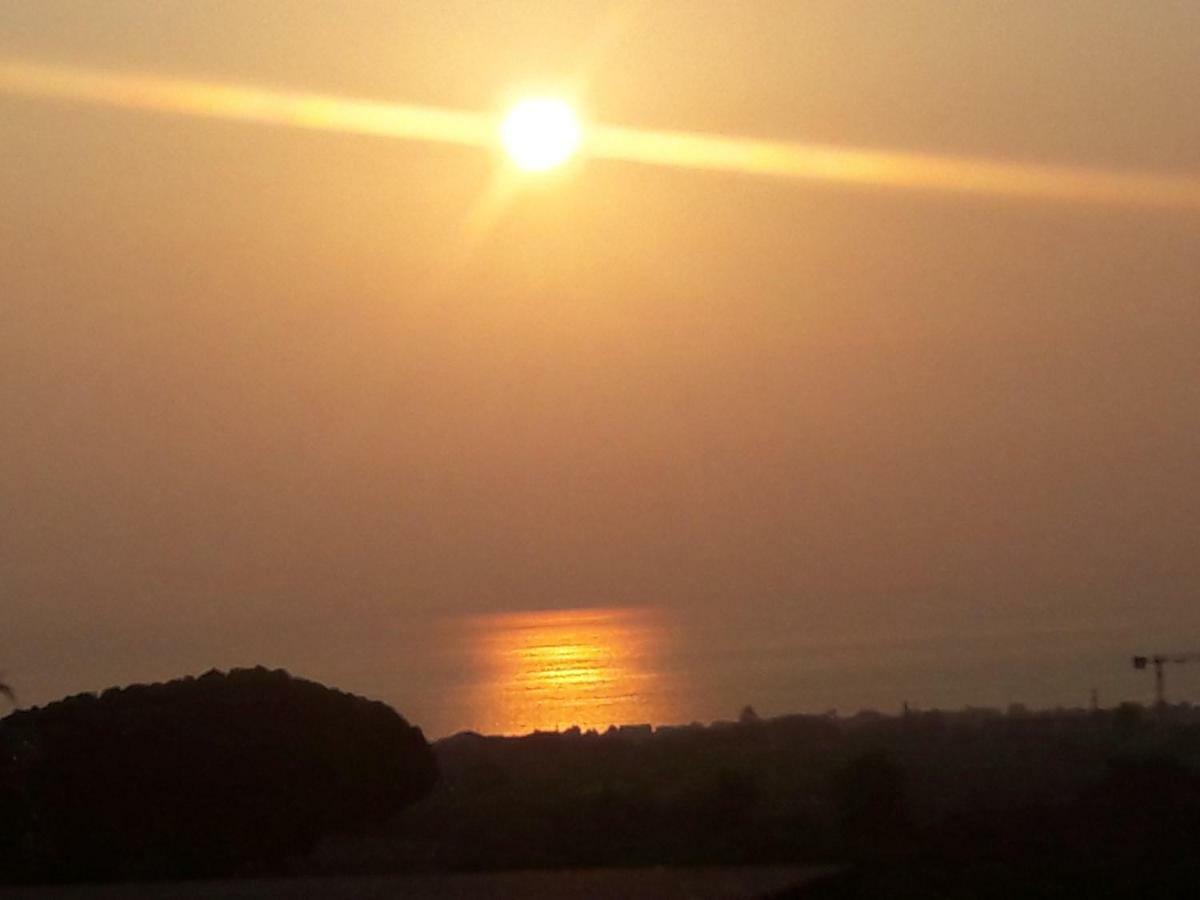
(677, 149)
(547, 671)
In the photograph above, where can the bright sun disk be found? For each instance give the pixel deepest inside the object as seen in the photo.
(540, 133)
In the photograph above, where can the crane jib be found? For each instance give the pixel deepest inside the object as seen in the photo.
(1158, 661)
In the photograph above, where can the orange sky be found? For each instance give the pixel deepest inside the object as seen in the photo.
(268, 398)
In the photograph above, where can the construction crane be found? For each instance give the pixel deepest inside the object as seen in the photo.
(1158, 661)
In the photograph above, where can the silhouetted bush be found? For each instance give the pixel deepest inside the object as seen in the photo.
(201, 776)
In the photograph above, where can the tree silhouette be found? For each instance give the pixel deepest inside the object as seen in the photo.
(203, 776)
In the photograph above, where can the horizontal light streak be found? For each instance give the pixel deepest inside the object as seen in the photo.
(226, 101)
(815, 162)
(675, 149)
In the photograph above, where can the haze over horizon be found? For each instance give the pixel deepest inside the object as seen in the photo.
(275, 396)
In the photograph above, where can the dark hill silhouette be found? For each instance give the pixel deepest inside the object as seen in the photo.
(1081, 800)
(219, 774)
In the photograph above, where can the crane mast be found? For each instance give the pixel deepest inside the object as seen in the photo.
(1159, 661)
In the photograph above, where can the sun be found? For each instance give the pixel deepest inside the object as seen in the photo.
(540, 133)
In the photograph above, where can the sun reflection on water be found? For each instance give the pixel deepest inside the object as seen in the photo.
(544, 671)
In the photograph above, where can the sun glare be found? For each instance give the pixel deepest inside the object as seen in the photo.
(556, 668)
(540, 133)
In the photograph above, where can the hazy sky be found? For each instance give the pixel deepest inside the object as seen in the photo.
(263, 401)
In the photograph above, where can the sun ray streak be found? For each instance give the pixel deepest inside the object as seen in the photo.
(225, 101)
(676, 149)
(815, 162)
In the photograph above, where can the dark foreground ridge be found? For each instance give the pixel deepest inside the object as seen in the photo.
(643, 883)
(256, 772)
(925, 804)
(216, 775)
